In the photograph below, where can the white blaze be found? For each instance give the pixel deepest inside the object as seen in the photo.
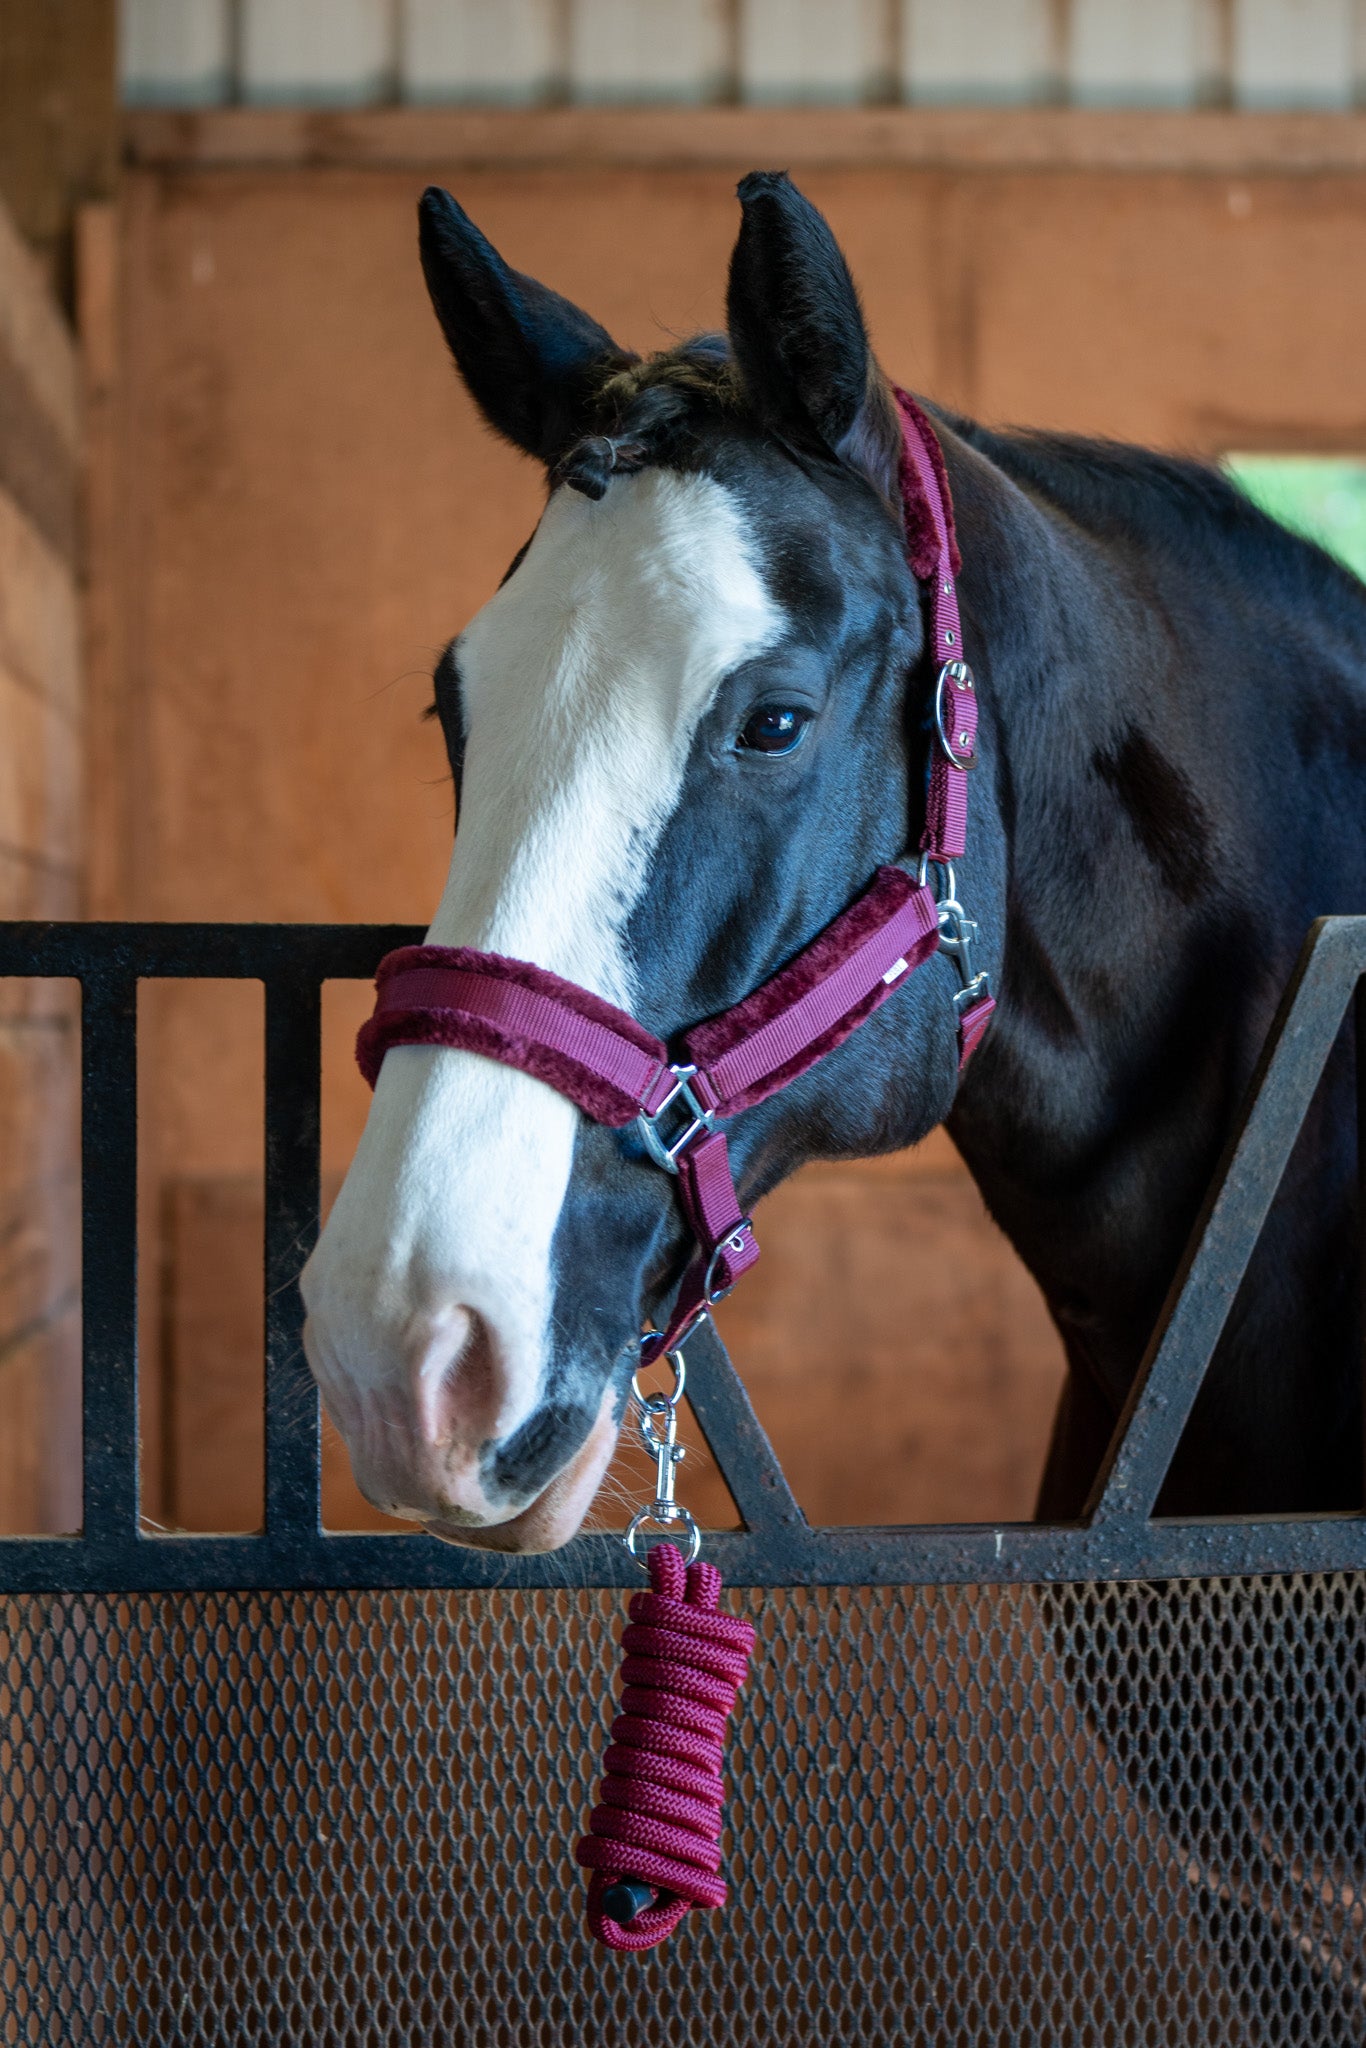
(583, 682)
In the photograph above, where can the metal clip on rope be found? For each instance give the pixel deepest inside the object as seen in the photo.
(657, 1425)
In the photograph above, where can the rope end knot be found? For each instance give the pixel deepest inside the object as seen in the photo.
(654, 1840)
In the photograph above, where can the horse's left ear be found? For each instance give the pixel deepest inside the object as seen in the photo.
(797, 333)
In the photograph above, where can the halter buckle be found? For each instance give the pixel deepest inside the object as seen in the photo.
(733, 1243)
(681, 1100)
(959, 673)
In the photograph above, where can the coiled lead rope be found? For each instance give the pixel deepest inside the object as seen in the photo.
(654, 1840)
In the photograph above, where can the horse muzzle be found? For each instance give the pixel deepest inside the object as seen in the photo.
(438, 1438)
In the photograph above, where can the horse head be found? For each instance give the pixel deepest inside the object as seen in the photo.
(684, 732)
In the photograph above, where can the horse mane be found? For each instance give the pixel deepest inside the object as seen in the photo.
(1168, 503)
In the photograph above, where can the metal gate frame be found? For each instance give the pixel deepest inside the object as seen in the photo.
(1118, 1539)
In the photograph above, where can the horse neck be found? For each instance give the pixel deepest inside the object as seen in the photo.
(1133, 999)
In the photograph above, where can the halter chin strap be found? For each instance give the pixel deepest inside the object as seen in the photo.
(618, 1073)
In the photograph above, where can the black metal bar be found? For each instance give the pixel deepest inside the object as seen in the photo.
(1297, 1047)
(969, 1555)
(293, 1136)
(736, 1437)
(109, 1258)
(326, 952)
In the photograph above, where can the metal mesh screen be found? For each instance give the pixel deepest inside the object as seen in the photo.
(1101, 1814)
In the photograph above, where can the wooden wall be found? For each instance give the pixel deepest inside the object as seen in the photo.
(304, 508)
(40, 876)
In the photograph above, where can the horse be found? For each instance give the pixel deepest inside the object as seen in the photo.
(691, 722)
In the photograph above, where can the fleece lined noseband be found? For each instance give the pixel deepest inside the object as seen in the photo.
(617, 1072)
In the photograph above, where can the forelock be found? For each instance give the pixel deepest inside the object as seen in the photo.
(655, 412)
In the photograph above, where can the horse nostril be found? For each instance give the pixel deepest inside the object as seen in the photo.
(459, 1390)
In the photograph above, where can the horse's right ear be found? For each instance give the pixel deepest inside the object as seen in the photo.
(529, 357)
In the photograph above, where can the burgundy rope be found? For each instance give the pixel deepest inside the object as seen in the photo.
(659, 1820)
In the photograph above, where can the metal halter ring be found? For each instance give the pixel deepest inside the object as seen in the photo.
(929, 860)
(711, 1295)
(660, 1404)
(955, 672)
(648, 1514)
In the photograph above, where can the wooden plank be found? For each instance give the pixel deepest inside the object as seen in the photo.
(39, 1274)
(34, 467)
(734, 139)
(40, 758)
(110, 531)
(40, 1379)
(39, 398)
(40, 777)
(214, 1331)
(212, 1363)
(36, 339)
(39, 1087)
(59, 135)
(39, 1264)
(40, 624)
(31, 885)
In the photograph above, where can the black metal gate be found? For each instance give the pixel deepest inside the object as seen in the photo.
(1098, 1784)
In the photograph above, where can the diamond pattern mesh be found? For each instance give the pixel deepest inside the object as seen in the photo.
(1094, 1815)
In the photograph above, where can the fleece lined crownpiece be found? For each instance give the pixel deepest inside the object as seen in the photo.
(923, 547)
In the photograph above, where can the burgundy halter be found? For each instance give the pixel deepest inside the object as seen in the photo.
(617, 1072)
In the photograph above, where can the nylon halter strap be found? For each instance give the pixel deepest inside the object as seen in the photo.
(617, 1072)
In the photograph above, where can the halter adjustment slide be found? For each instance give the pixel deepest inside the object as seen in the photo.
(698, 1121)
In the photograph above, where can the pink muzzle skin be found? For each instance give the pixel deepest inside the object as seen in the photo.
(617, 1072)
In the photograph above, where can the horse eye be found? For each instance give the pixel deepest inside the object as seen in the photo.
(777, 729)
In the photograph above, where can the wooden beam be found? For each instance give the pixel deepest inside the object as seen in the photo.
(111, 770)
(937, 138)
(59, 126)
(39, 398)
